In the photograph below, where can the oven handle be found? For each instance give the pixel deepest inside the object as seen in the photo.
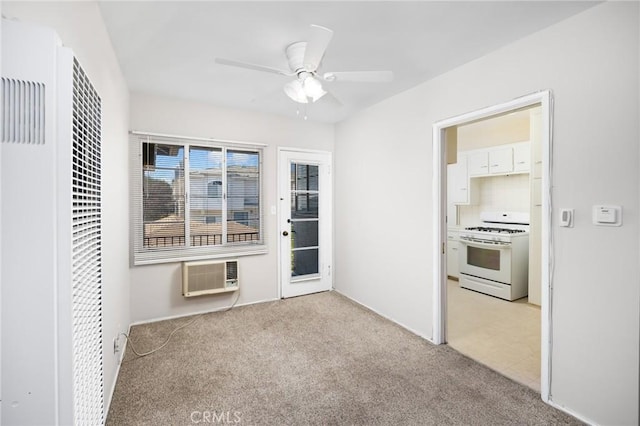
(478, 244)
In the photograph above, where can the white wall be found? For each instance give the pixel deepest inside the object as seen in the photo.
(80, 27)
(497, 193)
(505, 129)
(156, 290)
(384, 260)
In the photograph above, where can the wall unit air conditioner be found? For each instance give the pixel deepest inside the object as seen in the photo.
(207, 277)
(51, 256)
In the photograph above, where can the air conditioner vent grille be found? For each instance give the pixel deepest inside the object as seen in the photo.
(22, 111)
(199, 278)
(232, 270)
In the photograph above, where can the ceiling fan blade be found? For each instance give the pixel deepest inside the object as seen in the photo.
(330, 97)
(360, 76)
(254, 67)
(316, 46)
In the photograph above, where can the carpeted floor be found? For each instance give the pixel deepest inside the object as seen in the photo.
(318, 359)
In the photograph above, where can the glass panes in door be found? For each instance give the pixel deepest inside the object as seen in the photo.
(305, 248)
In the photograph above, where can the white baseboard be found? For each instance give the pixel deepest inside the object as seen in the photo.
(572, 413)
(207, 311)
(107, 404)
(417, 333)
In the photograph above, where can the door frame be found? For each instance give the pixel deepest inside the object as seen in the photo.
(545, 100)
(284, 203)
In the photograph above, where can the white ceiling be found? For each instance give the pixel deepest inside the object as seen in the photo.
(168, 48)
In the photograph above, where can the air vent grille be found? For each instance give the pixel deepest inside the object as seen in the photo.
(87, 252)
(207, 277)
(22, 111)
(232, 270)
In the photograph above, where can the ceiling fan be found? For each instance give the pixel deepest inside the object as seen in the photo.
(304, 60)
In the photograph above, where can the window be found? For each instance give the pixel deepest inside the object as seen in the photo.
(195, 199)
(215, 189)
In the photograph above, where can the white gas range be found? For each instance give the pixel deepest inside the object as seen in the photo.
(494, 257)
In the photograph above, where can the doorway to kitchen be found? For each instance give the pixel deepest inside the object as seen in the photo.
(491, 219)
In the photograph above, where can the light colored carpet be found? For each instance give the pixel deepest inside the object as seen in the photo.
(317, 359)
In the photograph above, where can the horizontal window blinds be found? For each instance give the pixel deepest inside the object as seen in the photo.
(195, 199)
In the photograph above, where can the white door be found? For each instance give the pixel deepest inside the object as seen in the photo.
(305, 222)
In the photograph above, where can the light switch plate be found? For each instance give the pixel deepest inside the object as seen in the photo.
(607, 215)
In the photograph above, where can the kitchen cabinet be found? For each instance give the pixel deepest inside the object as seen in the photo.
(460, 189)
(457, 190)
(521, 157)
(501, 160)
(478, 163)
(453, 246)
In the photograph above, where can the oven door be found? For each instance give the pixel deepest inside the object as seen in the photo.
(486, 260)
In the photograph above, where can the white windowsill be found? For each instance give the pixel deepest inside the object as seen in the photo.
(153, 258)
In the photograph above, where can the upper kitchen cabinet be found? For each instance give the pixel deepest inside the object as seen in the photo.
(521, 157)
(478, 162)
(500, 160)
(459, 187)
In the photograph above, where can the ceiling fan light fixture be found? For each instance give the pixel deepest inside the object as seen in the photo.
(304, 59)
(296, 92)
(313, 88)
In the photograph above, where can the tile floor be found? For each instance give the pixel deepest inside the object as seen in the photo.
(503, 335)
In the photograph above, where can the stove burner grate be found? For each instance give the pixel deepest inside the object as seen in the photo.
(496, 230)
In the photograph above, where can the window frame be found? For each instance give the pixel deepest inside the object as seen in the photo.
(141, 255)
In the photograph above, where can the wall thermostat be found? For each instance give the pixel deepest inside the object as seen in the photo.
(607, 215)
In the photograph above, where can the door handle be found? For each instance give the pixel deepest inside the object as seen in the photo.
(285, 233)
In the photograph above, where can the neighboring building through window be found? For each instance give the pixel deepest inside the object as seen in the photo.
(241, 217)
(213, 219)
(215, 189)
(196, 199)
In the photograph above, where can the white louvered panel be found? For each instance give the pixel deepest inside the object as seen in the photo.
(85, 213)
(22, 111)
(87, 245)
(84, 231)
(86, 258)
(82, 223)
(85, 269)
